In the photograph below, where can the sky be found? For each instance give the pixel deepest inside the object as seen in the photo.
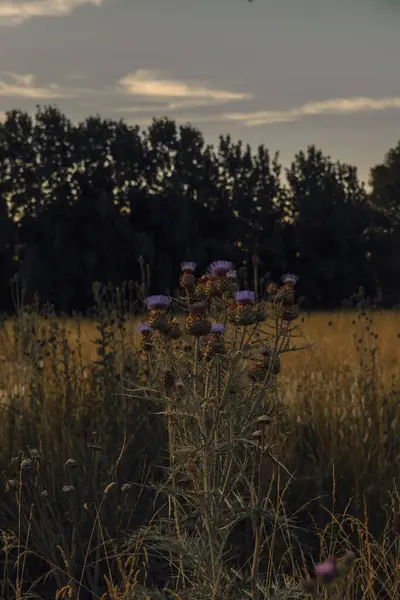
(283, 73)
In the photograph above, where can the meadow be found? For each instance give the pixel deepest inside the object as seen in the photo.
(122, 479)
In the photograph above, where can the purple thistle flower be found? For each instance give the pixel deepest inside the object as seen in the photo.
(289, 278)
(188, 265)
(144, 328)
(245, 297)
(219, 268)
(231, 274)
(218, 328)
(327, 571)
(266, 350)
(158, 301)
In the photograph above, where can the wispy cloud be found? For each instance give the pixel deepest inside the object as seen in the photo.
(13, 85)
(335, 106)
(15, 13)
(16, 85)
(174, 94)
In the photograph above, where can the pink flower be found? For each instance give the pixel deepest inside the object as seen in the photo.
(327, 571)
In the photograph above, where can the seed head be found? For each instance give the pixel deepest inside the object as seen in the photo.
(126, 487)
(70, 464)
(67, 489)
(26, 464)
(264, 420)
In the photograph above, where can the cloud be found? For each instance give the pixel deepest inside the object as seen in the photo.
(15, 13)
(174, 94)
(335, 106)
(15, 85)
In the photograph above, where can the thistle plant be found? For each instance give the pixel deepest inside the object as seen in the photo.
(216, 382)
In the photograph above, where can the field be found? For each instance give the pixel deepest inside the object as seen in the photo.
(71, 391)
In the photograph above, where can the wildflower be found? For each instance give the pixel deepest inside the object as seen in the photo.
(198, 308)
(243, 313)
(257, 372)
(188, 266)
(289, 314)
(327, 571)
(289, 278)
(202, 285)
(272, 290)
(229, 284)
(260, 313)
(158, 302)
(146, 331)
(157, 318)
(218, 328)
(197, 324)
(245, 297)
(270, 359)
(67, 489)
(178, 386)
(187, 279)
(219, 268)
(215, 344)
(174, 331)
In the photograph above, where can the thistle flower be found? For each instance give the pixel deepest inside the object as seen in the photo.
(219, 268)
(218, 328)
(188, 266)
(146, 331)
(245, 297)
(159, 302)
(215, 344)
(289, 313)
(327, 571)
(198, 308)
(272, 290)
(187, 279)
(144, 328)
(289, 278)
(178, 386)
(197, 325)
(231, 274)
(270, 360)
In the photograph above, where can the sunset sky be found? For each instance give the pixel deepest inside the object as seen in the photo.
(285, 73)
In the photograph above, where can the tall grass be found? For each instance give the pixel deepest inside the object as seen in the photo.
(130, 474)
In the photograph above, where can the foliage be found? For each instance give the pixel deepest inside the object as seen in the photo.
(82, 203)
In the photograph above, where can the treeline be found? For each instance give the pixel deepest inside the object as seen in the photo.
(81, 203)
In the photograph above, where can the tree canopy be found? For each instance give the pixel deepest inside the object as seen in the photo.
(80, 203)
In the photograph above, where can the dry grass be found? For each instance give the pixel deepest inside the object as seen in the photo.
(340, 418)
